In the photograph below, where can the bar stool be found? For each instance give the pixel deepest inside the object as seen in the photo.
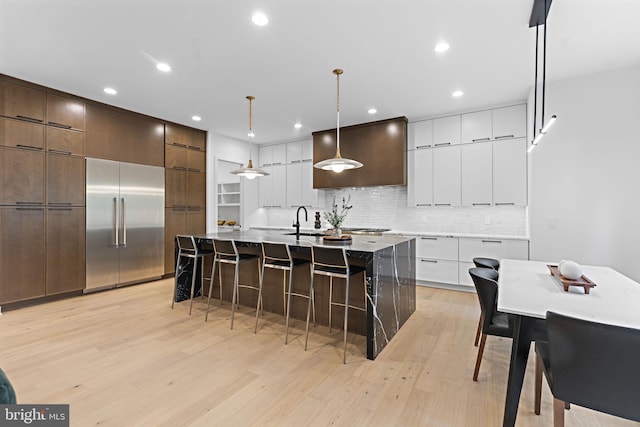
(493, 264)
(278, 256)
(332, 262)
(188, 248)
(226, 252)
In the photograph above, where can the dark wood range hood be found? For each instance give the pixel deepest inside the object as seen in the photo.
(381, 146)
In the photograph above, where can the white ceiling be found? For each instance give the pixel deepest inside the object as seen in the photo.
(386, 48)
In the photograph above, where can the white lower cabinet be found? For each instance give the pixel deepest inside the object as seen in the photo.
(437, 270)
(493, 248)
(463, 273)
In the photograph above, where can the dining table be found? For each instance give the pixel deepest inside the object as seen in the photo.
(527, 290)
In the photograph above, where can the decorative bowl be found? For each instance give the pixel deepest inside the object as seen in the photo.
(221, 222)
(232, 223)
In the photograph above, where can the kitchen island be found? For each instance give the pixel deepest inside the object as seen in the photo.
(390, 281)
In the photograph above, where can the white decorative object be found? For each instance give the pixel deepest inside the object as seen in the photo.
(562, 261)
(571, 270)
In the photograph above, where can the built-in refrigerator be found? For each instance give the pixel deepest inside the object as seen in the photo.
(125, 223)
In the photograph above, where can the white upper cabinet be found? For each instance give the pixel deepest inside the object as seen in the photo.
(510, 172)
(307, 150)
(309, 194)
(420, 134)
(294, 185)
(265, 154)
(510, 122)
(278, 186)
(266, 188)
(446, 176)
(279, 154)
(294, 152)
(446, 131)
(420, 177)
(477, 174)
(476, 127)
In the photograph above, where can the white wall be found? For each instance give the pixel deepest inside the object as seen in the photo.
(584, 175)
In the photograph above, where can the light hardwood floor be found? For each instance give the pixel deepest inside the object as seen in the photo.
(124, 358)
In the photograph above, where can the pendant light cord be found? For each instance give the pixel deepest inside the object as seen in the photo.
(535, 88)
(250, 98)
(544, 60)
(337, 72)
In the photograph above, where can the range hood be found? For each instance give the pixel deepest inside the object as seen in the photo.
(381, 146)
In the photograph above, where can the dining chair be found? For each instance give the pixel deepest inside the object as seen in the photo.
(188, 247)
(493, 264)
(591, 364)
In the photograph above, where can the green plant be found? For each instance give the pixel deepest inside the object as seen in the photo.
(337, 216)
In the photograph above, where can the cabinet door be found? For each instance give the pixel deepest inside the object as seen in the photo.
(307, 150)
(421, 176)
(294, 185)
(198, 140)
(294, 152)
(21, 176)
(279, 186)
(446, 176)
(65, 141)
(265, 154)
(309, 194)
(176, 135)
(265, 184)
(196, 160)
(22, 255)
(510, 122)
(21, 134)
(279, 154)
(65, 250)
(175, 157)
(196, 221)
(64, 112)
(437, 270)
(476, 127)
(175, 185)
(446, 131)
(420, 134)
(65, 180)
(175, 222)
(493, 248)
(196, 193)
(437, 247)
(21, 102)
(477, 174)
(510, 172)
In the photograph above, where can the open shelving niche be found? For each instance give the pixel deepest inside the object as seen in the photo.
(228, 193)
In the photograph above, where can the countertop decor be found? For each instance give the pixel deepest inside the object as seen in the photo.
(337, 216)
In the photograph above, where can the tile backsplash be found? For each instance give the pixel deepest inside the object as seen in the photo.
(386, 207)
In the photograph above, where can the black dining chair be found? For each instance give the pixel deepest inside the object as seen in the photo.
(591, 364)
(493, 264)
(494, 322)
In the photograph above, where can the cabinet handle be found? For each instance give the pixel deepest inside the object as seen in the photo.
(193, 147)
(481, 204)
(67, 153)
(116, 222)
(59, 125)
(276, 206)
(307, 160)
(296, 161)
(277, 163)
(59, 209)
(30, 119)
(124, 223)
(429, 238)
(180, 145)
(433, 261)
(61, 203)
(194, 170)
(423, 204)
(267, 164)
(29, 203)
(504, 136)
(35, 208)
(29, 147)
(443, 204)
(419, 147)
(480, 139)
(492, 241)
(505, 204)
(180, 168)
(442, 144)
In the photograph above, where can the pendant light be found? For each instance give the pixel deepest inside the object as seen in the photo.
(250, 172)
(338, 163)
(535, 19)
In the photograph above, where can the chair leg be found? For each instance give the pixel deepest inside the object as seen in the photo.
(483, 339)
(288, 311)
(346, 318)
(567, 405)
(284, 292)
(558, 413)
(220, 280)
(538, 384)
(213, 275)
(259, 303)
(478, 331)
(330, 300)
(306, 334)
(175, 282)
(193, 282)
(235, 294)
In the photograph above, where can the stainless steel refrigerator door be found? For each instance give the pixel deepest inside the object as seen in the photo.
(102, 212)
(142, 225)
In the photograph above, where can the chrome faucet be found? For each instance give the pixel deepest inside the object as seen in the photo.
(297, 223)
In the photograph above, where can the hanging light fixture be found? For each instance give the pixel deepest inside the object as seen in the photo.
(250, 172)
(338, 163)
(539, 13)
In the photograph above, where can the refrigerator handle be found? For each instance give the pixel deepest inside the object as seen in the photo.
(124, 223)
(116, 225)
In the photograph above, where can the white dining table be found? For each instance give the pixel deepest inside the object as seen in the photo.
(528, 290)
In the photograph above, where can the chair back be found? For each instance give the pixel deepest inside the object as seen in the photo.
(485, 281)
(486, 263)
(225, 247)
(186, 243)
(329, 257)
(595, 365)
(276, 252)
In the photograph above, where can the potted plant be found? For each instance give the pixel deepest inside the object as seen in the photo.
(336, 216)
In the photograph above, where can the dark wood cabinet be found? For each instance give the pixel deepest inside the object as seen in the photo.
(196, 221)
(66, 113)
(175, 185)
(65, 141)
(22, 253)
(177, 135)
(195, 190)
(65, 180)
(21, 134)
(175, 157)
(198, 140)
(65, 249)
(21, 102)
(21, 176)
(175, 222)
(196, 160)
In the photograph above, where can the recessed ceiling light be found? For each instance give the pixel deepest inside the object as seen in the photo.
(442, 47)
(372, 111)
(297, 125)
(196, 118)
(163, 66)
(457, 94)
(260, 19)
(110, 90)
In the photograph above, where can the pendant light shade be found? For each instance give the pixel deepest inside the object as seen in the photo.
(338, 163)
(249, 171)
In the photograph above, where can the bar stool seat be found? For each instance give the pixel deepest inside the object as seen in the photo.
(189, 248)
(278, 256)
(333, 263)
(226, 252)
